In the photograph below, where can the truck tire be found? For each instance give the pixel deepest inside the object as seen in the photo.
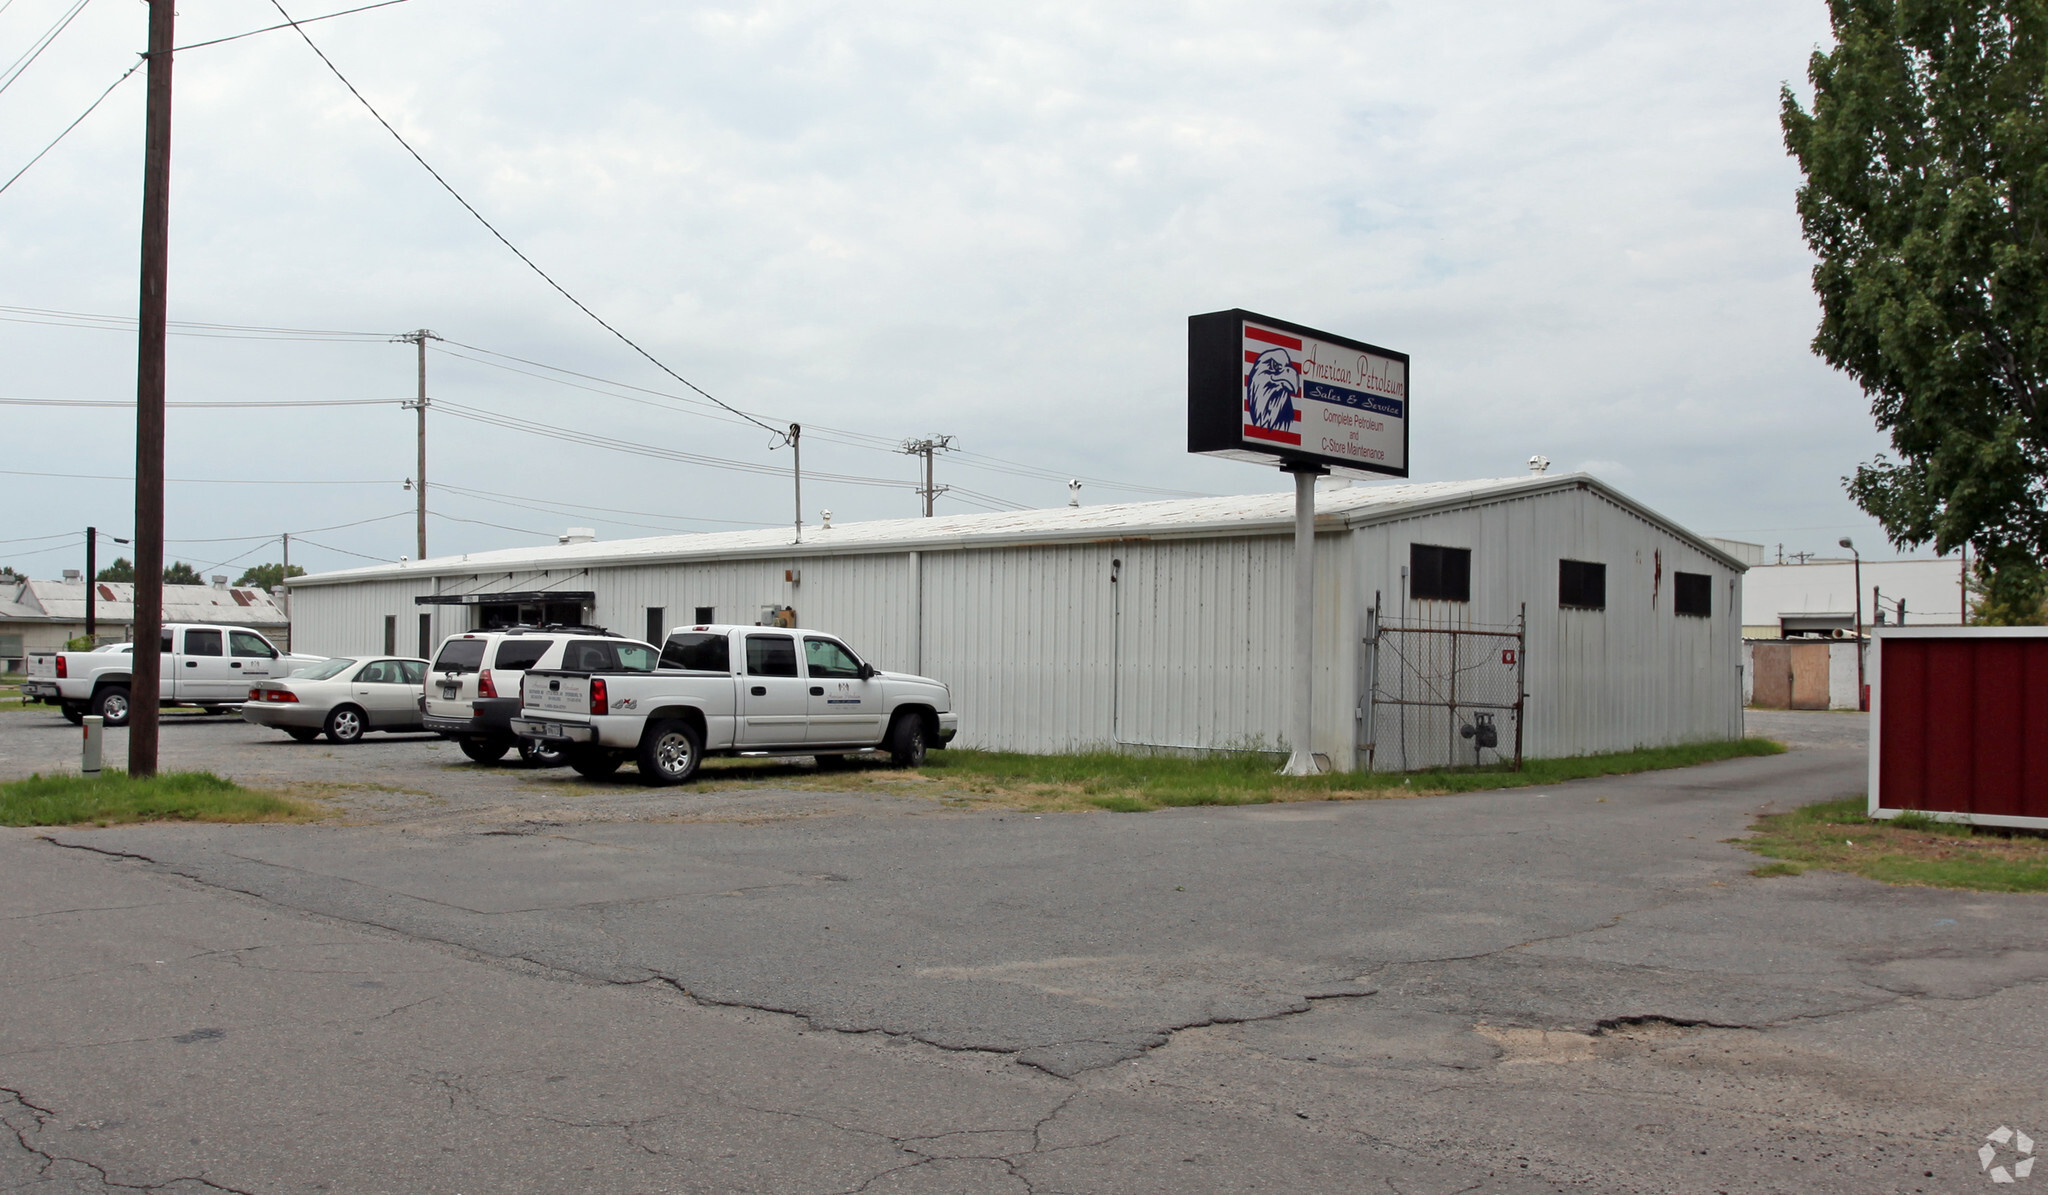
(670, 751)
(303, 734)
(484, 751)
(593, 763)
(345, 724)
(111, 703)
(74, 713)
(906, 741)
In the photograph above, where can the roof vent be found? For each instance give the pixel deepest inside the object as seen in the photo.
(220, 581)
(72, 574)
(578, 535)
(1539, 463)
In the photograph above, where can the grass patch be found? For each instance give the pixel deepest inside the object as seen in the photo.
(116, 797)
(1123, 783)
(1913, 849)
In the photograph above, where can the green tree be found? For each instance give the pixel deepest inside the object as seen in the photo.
(268, 576)
(122, 569)
(1926, 200)
(181, 573)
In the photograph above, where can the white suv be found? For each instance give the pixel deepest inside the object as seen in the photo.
(472, 691)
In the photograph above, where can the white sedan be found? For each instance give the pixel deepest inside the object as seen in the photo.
(342, 698)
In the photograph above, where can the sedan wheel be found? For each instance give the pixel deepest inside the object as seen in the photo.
(345, 724)
(670, 752)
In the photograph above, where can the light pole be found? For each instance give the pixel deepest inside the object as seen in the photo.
(1862, 692)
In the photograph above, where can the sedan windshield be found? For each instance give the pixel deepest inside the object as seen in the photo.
(324, 670)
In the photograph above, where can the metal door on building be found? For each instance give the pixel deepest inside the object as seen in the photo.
(1444, 696)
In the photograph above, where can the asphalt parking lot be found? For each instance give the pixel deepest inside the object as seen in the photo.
(494, 979)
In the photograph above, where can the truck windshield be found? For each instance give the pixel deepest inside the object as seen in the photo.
(698, 653)
(461, 655)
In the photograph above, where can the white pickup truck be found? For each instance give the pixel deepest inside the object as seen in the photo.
(733, 690)
(208, 666)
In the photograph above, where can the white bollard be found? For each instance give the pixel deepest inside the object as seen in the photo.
(89, 754)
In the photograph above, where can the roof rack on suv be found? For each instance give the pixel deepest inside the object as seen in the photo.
(554, 628)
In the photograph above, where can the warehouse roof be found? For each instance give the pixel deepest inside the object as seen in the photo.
(64, 601)
(1340, 506)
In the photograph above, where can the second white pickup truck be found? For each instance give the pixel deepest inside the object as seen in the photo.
(733, 690)
(208, 666)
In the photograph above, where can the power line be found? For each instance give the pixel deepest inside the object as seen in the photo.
(80, 119)
(35, 51)
(123, 323)
(492, 229)
(346, 552)
(288, 25)
(576, 509)
(32, 539)
(482, 523)
(192, 480)
(236, 539)
(130, 403)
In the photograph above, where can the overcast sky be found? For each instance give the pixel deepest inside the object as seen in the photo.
(897, 219)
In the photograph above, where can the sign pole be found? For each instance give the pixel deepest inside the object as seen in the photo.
(1301, 761)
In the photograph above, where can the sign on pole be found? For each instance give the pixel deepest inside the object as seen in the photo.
(1263, 389)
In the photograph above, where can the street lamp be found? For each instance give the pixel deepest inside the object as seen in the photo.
(1862, 690)
(92, 621)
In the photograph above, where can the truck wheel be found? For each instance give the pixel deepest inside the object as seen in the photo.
(74, 714)
(304, 734)
(111, 703)
(484, 751)
(906, 741)
(670, 752)
(541, 755)
(594, 764)
(345, 724)
(831, 763)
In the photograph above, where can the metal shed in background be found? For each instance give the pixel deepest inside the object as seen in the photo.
(1169, 624)
(1959, 724)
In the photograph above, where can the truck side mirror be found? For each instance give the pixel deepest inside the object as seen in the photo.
(867, 670)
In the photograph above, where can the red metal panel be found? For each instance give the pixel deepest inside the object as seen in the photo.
(1903, 725)
(1964, 725)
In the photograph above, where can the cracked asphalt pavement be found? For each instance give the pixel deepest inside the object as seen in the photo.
(1578, 988)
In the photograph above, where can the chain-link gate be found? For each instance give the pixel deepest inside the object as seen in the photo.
(1445, 696)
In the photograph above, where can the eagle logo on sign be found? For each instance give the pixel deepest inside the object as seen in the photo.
(1271, 389)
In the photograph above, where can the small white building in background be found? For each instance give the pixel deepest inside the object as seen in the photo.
(1819, 597)
(45, 615)
(1166, 624)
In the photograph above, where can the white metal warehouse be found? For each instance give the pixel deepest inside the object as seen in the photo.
(1167, 624)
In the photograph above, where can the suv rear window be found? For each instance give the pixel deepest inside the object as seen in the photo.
(461, 655)
(608, 655)
(699, 653)
(520, 654)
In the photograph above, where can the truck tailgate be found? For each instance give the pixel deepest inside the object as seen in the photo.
(42, 665)
(556, 693)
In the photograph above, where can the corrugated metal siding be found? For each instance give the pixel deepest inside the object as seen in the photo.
(1633, 674)
(1960, 723)
(1040, 659)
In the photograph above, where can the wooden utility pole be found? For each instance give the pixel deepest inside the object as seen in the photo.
(92, 609)
(926, 448)
(147, 668)
(421, 338)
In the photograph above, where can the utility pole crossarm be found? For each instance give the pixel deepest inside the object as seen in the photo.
(927, 448)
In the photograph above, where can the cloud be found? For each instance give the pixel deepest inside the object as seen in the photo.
(903, 218)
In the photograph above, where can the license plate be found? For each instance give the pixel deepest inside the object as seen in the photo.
(450, 691)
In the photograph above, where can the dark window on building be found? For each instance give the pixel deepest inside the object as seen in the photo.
(771, 655)
(706, 614)
(657, 620)
(1693, 593)
(697, 652)
(1439, 574)
(1581, 585)
(391, 634)
(426, 635)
